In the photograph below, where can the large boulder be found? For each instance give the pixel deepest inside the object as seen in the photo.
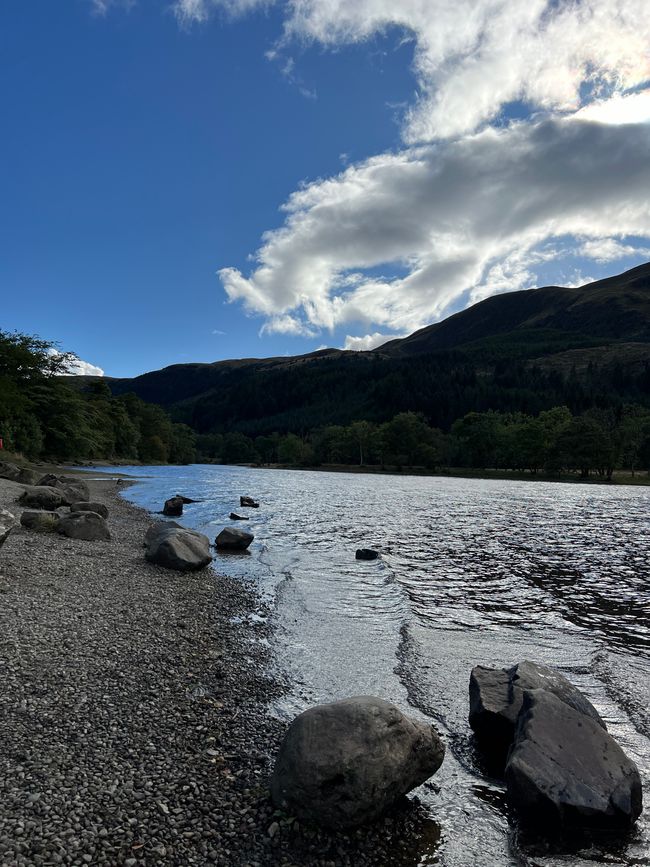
(248, 503)
(40, 521)
(42, 498)
(9, 471)
(7, 523)
(177, 548)
(173, 507)
(496, 697)
(232, 539)
(343, 764)
(160, 528)
(84, 525)
(98, 508)
(72, 489)
(565, 766)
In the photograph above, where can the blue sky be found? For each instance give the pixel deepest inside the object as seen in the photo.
(210, 179)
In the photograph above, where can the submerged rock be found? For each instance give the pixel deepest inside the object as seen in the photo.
(42, 497)
(565, 766)
(343, 764)
(496, 697)
(84, 525)
(98, 508)
(173, 507)
(366, 554)
(249, 503)
(40, 521)
(233, 540)
(175, 547)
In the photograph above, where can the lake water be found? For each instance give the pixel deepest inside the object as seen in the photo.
(472, 571)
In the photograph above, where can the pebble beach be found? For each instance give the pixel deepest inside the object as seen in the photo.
(135, 721)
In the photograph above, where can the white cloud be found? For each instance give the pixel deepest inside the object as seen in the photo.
(467, 216)
(369, 341)
(605, 250)
(198, 11)
(84, 368)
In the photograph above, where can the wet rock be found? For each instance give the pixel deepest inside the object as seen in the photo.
(177, 548)
(40, 521)
(233, 540)
(173, 507)
(186, 500)
(344, 764)
(496, 696)
(98, 508)
(42, 497)
(366, 554)
(565, 766)
(249, 503)
(235, 517)
(72, 489)
(84, 525)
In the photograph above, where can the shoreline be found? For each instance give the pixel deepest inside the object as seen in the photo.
(135, 722)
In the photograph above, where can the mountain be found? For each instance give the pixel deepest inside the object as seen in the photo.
(521, 351)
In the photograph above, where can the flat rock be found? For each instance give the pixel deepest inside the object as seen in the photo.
(97, 508)
(233, 540)
(173, 507)
(565, 766)
(177, 548)
(496, 697)
(40, 521)
(235, 517)
(42, 497)
(344, 764)
(84, 525)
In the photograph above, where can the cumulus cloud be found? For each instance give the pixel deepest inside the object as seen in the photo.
(368, 341)
(603, 250)
(84, 368)
(463, 219)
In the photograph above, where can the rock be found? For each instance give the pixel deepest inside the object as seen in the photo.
(366, 554)
(186, 500)
(233, 540)
(345, 763)
(27, 476)
(235, 517)
(249, 503)
(496, 696)
(173, 507)
(7, 523)
(42, 498)
(84, 525)
(40, 521)
(9, 471)
(177, 548)
(160, 528)
(98, 508)
(72, 489)
(565, 766)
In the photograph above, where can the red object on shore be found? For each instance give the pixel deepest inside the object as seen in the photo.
(1, 443)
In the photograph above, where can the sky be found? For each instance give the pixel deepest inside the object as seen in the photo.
(192, 180)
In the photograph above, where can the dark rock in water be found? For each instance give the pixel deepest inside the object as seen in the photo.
(564, 766)
(249, 503)
(366, 554)
(235, 517)
(84, 525)
(496, 696)
(344, 764)
(72, 489)
(173, 507)
(177, 548)
(40, 521)
(186, 500)
(42, 498)
(233, 540)
(98, 508)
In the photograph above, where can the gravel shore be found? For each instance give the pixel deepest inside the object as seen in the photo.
(134, 722)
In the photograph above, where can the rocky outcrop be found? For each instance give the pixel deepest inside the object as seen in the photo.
(9, 471)
(7, 523)
(186, 500)
(344, 764)
(496, 697)
(235, 517)
(84, 525)
(98, 508)
(40, 521)
(71, 488)
(564, 766)
(248, 503)
(42, 498)
(173, 507)
(231, 539)
(175, 547)
(366, 554)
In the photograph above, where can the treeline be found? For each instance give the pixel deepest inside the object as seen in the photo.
(554, 442)
(42, 415)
